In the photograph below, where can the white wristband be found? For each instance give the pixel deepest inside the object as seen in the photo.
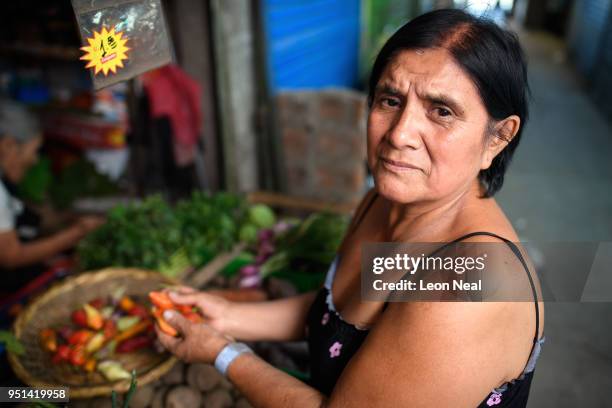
(229, 354)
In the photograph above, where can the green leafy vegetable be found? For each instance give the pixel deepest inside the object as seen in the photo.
(153, 235)
(80, 179)
(143, 235)
(11, 343)
(305, 251)
(235, 264)
(34, 185)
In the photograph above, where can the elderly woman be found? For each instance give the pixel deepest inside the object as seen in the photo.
(22, 251)
(447, 103)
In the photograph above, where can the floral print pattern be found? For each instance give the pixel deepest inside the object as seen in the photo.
(334, 350)
(494, 399)
(325, 319)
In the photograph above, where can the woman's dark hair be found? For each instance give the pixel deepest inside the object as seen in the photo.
(491, 56)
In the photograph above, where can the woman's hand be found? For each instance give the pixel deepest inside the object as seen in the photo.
(215, 309)
(277, 320)
(88, 223)
(197, 342)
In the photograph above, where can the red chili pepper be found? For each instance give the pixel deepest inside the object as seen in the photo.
(62, 354)
(133, 344)
(98, 303)
(126, 304)
(78, 356)
(163, 324)
(80, 337)
(79, 317)
(161, 300)
(193, 317)
(139, 310)
(110, 329)
(184, 308)
(151, 329)
(48, 339)
(133, 331)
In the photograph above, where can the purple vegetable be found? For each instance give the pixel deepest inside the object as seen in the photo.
(65, 332)
(266, 248)
(265, 235)
(250, 281)
(260, 259)
(249, 270)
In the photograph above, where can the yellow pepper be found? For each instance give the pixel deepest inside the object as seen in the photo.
(94, 318)
(95, 343)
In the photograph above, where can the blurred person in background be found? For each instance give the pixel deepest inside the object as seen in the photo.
(22, 249)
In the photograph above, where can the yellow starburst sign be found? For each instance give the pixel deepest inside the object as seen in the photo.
(106, 51)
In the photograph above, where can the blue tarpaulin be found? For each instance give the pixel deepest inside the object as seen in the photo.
(312, 43)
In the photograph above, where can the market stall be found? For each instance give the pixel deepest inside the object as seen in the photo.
(90, 331)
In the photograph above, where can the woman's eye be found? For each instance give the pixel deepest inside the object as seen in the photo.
(390, 102)
(443, 112)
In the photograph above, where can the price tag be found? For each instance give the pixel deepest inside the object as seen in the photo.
(106, 51)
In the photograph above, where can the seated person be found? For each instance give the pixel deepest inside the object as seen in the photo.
(22, 250)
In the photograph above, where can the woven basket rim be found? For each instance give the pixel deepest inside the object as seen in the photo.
(65, 286)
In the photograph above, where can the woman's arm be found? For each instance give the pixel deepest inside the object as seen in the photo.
(15, 254)
(261, 383)
(266, 386)
(418, 354)
(278, 320)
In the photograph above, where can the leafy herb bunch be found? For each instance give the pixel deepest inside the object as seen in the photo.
(154, 235)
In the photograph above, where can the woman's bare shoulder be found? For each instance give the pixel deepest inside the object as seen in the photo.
(486, 216)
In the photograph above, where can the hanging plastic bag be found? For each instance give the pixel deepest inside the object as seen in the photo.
(121, 38)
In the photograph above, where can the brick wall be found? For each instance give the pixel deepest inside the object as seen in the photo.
(323, 140)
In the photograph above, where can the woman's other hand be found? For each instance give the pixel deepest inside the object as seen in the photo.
(196, 342)
(88, 223)
(215, 309)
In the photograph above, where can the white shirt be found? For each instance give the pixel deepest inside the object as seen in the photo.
(10, 208)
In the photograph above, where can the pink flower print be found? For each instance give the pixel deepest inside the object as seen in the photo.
(334, 350)
(494, 399)
(325, 319)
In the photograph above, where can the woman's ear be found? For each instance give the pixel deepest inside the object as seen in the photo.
(501, 134)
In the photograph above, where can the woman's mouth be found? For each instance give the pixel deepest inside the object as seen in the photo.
(397, 166)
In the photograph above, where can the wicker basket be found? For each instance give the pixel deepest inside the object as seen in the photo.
(54, 308)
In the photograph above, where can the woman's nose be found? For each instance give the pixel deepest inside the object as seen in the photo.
(406, 130)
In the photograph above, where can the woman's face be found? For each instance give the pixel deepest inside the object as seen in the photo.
(426, 128)
(16, 158)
